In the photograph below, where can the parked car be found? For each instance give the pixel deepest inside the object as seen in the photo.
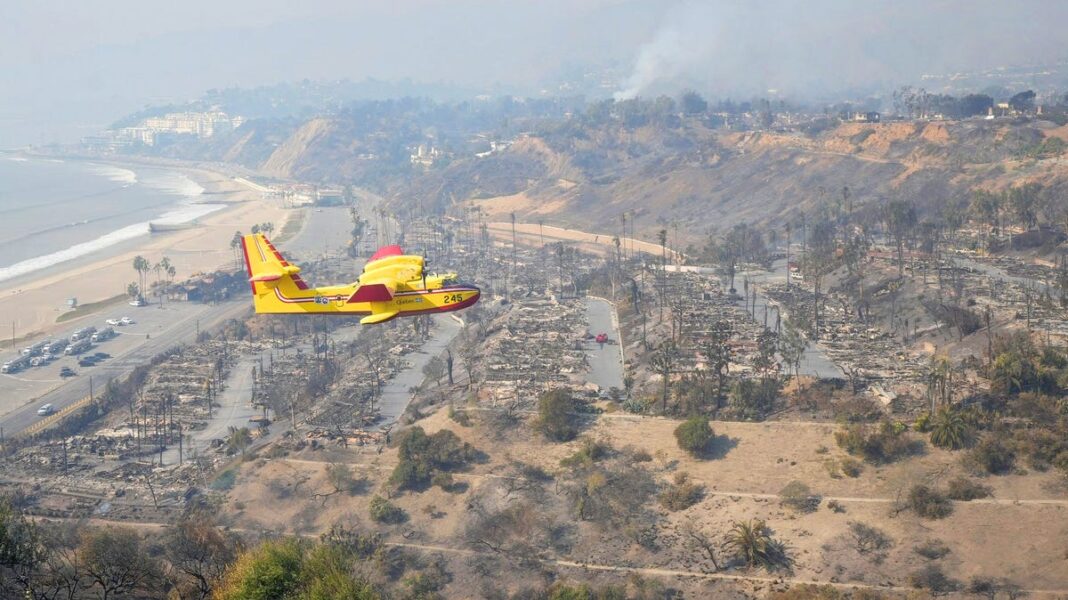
(42, 360)
(67, 372)
(101, 355)
(88, 361)
(114, 322)
(126, 321)
(45, 410)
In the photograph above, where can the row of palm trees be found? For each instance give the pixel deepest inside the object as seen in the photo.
(144, 267)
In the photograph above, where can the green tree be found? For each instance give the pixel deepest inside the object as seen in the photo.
(269, 571)
(556, 418)
(22, 552)
(694, 435)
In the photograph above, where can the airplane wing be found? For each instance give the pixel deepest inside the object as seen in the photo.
(390, 265)
(378, 291)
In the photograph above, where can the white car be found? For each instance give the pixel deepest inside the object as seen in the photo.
(45, 410)
(126, 321)
(113, 322)
(42, 360)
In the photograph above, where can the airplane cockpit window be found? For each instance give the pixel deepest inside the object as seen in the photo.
(449, 281)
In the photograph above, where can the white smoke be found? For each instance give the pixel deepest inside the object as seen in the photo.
(826, 46)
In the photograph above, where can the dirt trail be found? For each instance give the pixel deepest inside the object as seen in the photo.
(585, 566)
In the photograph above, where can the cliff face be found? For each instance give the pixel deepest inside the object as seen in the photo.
(703, 179)
(298, 149)
(709, 180)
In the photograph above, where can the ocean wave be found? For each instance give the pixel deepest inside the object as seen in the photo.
(116, 174)
(182, 214)
(173, 183)
(16, 159)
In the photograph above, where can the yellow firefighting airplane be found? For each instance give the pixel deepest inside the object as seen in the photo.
(392, 284)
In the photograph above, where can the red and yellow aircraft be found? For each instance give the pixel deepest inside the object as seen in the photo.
(392, 284)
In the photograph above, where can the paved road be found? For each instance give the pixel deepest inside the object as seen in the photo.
(234, 410)
(814, 361)
(395, 394)
(606, 362)
(172, 325)
(176, 323)
(326, 231)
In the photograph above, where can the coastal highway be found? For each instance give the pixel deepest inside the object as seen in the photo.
(156, 329)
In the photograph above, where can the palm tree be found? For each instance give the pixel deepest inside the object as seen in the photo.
(133, 290)
(949, 429)
(141, 265)
(235, 243)
(165, 265)
(752, 542)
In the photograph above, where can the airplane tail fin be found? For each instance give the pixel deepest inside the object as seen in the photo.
(268, 271)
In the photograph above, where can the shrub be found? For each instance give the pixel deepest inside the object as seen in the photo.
(682, 495)
(850, 467)
(991, 455)
(928, 502)
(694, 435)
(932, 549)
(460, 416)
(950, 430)
(588, 453)
(271, 570)
(885, 443)
(225, 481)
(932, 578)
(965, 489)
(868, 539)
(384, 511)
(421, 455)
(799, 497)
(442, 480)
(556, 416)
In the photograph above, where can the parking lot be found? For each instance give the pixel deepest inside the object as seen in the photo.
(154, 329)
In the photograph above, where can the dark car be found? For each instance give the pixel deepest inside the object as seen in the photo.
(87, 362)
(101, 355)
(66, 372)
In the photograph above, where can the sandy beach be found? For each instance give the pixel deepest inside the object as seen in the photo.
(34, 303)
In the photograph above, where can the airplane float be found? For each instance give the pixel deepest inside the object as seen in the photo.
(393, 284)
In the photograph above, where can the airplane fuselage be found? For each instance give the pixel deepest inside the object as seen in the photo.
(335, 300)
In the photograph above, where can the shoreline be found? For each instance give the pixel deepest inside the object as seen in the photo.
(35, 301)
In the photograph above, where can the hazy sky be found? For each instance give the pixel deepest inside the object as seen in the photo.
(70, 67)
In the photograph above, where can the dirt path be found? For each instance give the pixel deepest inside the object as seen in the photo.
(584, 566)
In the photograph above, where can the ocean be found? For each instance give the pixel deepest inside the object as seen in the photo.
(54, 211)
